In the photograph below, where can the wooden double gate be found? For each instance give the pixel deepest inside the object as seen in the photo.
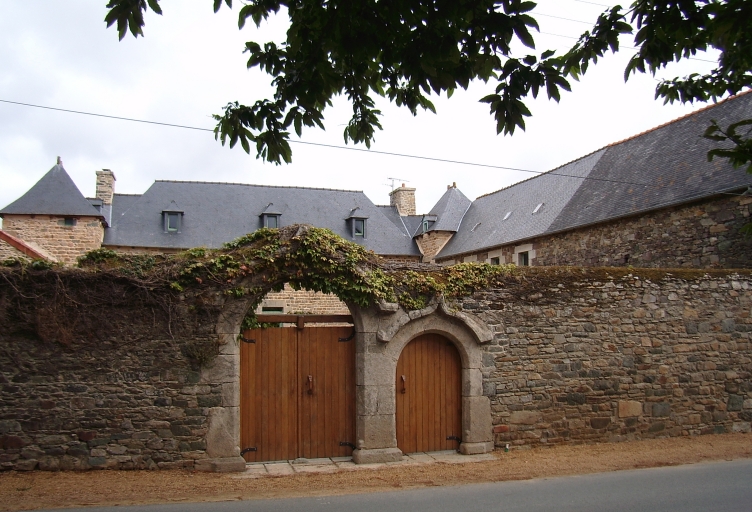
(297, 393)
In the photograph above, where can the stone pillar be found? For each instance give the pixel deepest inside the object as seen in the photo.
(105, 185)
(404, 199)
(223, 433)
(376, 430)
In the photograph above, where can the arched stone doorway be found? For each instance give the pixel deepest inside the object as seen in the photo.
(429, 395)
(383, 331)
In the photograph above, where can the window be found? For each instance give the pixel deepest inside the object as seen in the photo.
(523, 259)
(495, 261)
(425, 226)
(173, 222)
(271, 221)
(359, 227)
(68, 222)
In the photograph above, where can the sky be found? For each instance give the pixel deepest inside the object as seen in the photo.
(190, 64)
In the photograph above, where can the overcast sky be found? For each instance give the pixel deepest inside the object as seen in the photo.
(190, 64)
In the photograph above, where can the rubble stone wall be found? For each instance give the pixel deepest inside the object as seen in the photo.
(65, 243)
(7, 251)
(619, 356)
(705, 234)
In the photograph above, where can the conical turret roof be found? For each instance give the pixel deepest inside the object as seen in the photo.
(54, 194)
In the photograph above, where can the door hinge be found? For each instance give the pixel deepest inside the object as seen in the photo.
(246, 450)
(345, 443)
(349, 338)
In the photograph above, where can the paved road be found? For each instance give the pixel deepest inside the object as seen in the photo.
(718, 486)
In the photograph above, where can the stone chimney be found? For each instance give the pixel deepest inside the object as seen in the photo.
(404, 199)
(105, 185)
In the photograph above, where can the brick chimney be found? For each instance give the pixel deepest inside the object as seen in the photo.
(404, 199)
(105, 185)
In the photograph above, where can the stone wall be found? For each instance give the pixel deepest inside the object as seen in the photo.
(64, 243)
(103, 381)
(607, 355)
(7, 251)
(431, 243)
(303, 301)
(700, 235)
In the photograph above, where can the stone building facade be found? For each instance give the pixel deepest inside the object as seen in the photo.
(703, 234)
(64, 238)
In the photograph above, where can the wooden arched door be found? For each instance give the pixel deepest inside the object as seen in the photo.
(429, 395)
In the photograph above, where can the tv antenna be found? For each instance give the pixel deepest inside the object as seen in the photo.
(393, 180)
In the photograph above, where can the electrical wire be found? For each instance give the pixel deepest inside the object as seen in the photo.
(331, 146)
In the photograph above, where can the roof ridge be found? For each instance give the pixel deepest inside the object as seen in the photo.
(612, 144)
(255, 185)
(122, 194)
(680, 118)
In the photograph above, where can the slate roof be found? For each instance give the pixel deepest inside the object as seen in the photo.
(656, 169)
(54, 194)
(448, 210)
(216, 213)
(507, 215)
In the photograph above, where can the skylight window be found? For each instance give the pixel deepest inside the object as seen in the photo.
(509, 214)
(537, 208)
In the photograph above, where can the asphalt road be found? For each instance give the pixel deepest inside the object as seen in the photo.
(717, 486)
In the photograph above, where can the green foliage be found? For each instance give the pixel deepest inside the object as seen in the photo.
(738, 155)
(97, 256)
(403, 50)
(251, 322)
(13, 262)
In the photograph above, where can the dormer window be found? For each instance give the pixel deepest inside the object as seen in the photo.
(357, 223)
(172, 218)
(359, 227)
(173, 222)
(270, 217)
(271, 221)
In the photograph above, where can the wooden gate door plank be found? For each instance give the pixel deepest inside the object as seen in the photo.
(430, 410)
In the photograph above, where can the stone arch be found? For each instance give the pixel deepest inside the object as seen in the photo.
(223, 434)
(377, 363)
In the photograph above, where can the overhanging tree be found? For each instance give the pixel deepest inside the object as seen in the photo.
(405, 50)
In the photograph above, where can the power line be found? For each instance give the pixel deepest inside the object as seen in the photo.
(625, 47)
(332, 146)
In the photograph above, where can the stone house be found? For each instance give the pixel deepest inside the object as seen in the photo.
(551, 355)
(652, 200)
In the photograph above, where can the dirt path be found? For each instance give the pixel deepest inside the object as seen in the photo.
(29, 491)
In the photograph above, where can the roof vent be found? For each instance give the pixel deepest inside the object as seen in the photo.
(537, 208)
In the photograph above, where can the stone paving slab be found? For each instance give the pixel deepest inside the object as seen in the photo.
(335, 464)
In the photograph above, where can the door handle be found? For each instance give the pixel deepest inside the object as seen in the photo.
(404, 388)
(310, 384)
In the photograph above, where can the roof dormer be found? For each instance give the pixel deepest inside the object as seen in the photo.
(270, 217)
(357, 222)
(172, 218)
